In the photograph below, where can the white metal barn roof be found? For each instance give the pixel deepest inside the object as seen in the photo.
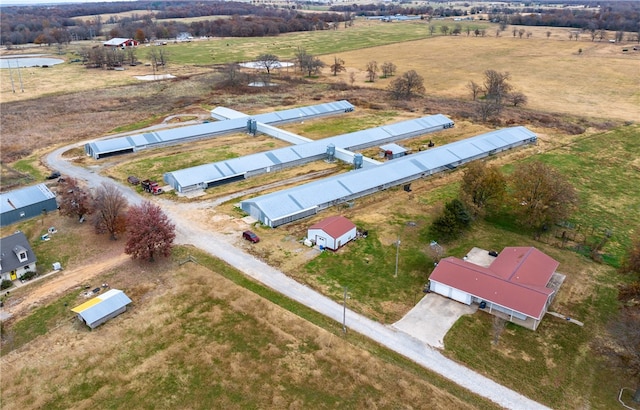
(123, 145)
(208, 175)
(288, 205)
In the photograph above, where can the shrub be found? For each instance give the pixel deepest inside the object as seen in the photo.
(28, 275)
(5, 284)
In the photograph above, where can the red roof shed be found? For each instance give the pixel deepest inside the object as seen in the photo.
(332, 232)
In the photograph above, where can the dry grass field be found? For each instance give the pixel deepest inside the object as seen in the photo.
(185, 341)
(193, 339)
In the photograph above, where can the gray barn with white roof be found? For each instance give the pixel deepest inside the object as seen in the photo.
(288, 205)
(154, 139)
(210, 175)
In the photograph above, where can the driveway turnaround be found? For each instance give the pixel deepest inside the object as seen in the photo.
(188, 232)
(432, 318)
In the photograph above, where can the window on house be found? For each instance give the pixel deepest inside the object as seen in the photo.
(22, 214)
(22, 256)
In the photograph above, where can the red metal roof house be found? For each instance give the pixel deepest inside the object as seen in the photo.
(332, 232)
(515, 283)
(121, 42)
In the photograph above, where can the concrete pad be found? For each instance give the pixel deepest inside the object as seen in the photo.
(431, 319)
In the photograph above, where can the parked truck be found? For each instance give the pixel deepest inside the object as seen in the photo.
(151, 186)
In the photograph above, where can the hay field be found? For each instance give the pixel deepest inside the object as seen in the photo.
(184, 343)
(602, 82)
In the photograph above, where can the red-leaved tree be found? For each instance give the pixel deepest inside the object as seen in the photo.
(149, 232)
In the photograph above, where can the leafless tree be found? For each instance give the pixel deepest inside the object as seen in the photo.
(475, 89)
(302, 58)
(496, 85)
(268, 62)
(548, 34)
(444, 29)
(110, 206)
(233, 76)
(352, 78)
(131, 55)
(312, 65)
(521, 32)
(149, 232)
(73, 200)
(516, 98)
(337, 66)
(407, 85)
(487, 109)
(372, 70)
(432, 29)
(388, 69)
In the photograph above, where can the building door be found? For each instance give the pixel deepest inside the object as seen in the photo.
(13, 275)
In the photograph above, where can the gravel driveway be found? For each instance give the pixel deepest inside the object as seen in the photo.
(188, 232)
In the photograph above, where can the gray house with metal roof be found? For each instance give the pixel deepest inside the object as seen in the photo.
(25, 203)
(16, 257)
(210, 175)
(288, 205)
(231, 121)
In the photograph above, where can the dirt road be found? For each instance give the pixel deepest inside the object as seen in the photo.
(59, 282)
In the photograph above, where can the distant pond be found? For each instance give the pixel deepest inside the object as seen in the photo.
(28, 60)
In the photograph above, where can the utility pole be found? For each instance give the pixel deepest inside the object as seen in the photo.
(344, 310)
(19, 77)
(397, 256)
(13, 88)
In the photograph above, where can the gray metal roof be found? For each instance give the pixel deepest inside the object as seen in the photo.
(206, 130)
(308, 150)
(22, 197)
(8, 246)
(108, 302)
(394, 148)
(333, 190)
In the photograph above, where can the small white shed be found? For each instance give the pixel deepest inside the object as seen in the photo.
(332, 232)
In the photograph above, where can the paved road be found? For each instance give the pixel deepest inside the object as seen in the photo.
(188, 232)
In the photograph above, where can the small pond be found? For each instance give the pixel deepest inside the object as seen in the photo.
(28, 60)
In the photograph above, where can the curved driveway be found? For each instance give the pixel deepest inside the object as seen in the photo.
(188, 232)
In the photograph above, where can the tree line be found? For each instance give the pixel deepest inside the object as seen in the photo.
(58, 24)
